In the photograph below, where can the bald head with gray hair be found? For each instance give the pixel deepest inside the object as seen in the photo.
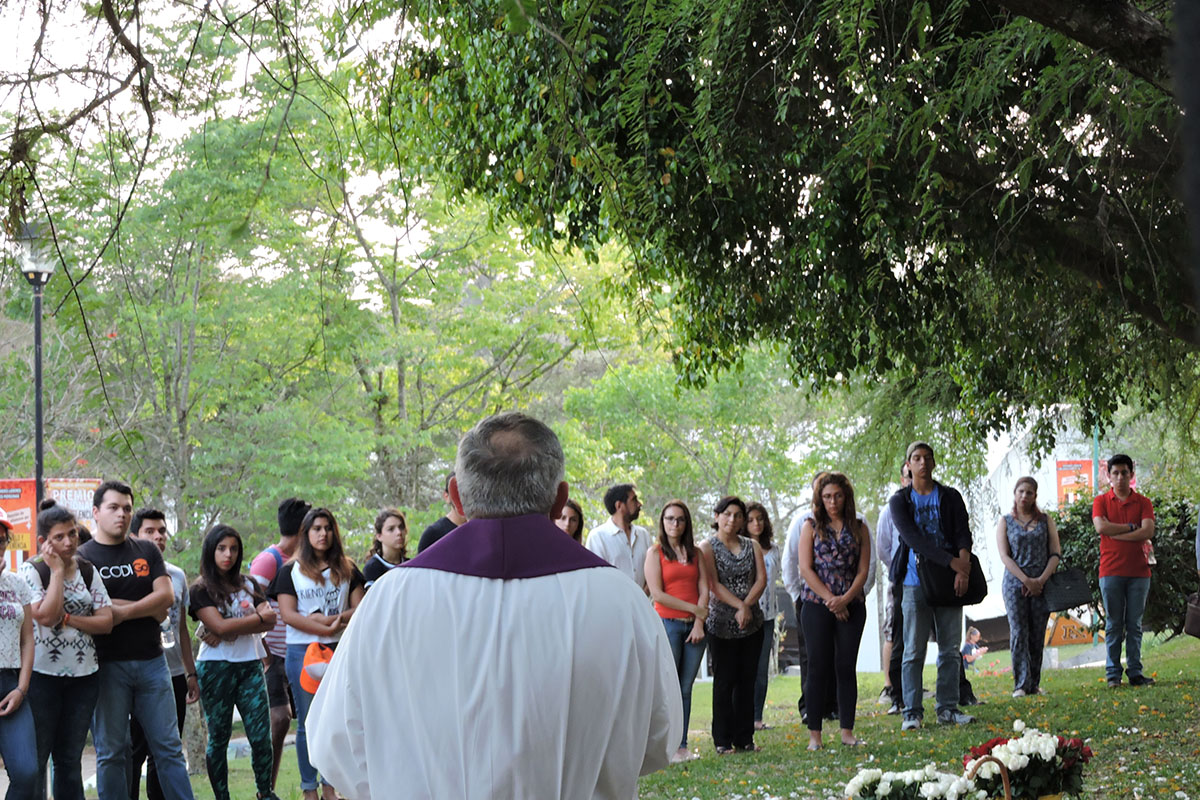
(508, 465)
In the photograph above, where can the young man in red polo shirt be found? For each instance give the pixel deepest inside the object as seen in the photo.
(1125, 521)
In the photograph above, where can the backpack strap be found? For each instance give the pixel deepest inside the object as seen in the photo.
(43, 570)
(86, 570)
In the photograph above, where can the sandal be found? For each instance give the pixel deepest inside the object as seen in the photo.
(750, 748)
(724, 751)
(856, 743)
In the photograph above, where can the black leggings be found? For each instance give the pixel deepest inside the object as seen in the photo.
(832, 650)
(734, 670)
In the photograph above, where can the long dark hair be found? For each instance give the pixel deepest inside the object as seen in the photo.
(686, 539)
(578, 534)
(821, 518)
(768, 532)
(222, 586)
(380, 520)
(340, 567)
(1038, 514)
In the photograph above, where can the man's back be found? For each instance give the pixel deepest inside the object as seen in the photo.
(554, 686)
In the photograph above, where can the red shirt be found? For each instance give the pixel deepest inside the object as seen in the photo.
(1117, 558)
(679, 580)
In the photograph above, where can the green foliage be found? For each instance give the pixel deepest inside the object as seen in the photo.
(1172, 578)
(936, 191)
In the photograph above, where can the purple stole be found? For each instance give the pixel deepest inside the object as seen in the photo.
(509, 548)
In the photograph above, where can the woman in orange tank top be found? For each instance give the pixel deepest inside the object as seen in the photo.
(679, 589)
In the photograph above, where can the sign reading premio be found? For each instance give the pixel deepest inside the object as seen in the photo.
(75, 494)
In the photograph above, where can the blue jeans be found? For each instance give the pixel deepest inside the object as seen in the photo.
(292, 664)
(62, 713)
(946, 622)
(141, 690)
(764, 668)
(1124, 603)
(687, 663)
(17, 746)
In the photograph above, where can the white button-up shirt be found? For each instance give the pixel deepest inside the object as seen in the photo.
(627, 554)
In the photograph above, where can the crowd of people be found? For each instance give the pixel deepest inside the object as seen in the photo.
(717, 593)
(93, 634)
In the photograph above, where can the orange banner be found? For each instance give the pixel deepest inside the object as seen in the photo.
(1074, 480)
(18, 497)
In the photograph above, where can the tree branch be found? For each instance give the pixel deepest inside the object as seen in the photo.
(1136, 40)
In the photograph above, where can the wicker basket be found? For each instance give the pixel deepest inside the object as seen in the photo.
(1003, 773)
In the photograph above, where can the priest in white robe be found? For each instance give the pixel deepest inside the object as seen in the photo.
(505, 661)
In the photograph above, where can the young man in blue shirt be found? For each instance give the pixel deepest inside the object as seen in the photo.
(931, 522)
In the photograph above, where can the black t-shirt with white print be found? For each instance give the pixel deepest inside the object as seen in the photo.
(128, 570)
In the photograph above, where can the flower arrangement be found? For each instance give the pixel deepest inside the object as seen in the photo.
(1038, 764)
(914, 784)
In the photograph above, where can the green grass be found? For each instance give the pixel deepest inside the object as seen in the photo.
(1159, 760)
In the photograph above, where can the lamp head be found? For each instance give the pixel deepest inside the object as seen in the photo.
(37, 265)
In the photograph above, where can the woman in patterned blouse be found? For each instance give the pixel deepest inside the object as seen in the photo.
(736, 579)
(835, 553)
(70, 605)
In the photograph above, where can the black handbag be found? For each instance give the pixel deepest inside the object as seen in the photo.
(937, 584)
(1067, 588)
(1191, 622)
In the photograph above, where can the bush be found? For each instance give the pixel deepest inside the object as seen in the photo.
(1172, 578)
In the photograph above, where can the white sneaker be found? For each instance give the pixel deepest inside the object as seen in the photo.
(1019, 693)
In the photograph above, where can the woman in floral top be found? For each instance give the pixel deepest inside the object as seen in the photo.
(70, 605)
(835, 553)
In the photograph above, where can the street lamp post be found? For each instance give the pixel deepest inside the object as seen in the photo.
(37, 269)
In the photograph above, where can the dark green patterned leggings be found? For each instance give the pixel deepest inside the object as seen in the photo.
(224, 684)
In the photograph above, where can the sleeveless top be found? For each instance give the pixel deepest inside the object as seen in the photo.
(737, 574)
(1029, 547)
(835, 560)
(681, 581)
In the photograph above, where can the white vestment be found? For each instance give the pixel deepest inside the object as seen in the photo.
(457, 687)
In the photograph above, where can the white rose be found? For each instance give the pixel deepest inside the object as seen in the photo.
(1018, 725)
(883, 789)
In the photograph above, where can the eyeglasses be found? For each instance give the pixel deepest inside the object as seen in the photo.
(673, 519)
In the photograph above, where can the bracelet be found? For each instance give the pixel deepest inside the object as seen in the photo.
(1054, 555)
(258, 614)
(190, 675)
(1133, 527)
(24, 692)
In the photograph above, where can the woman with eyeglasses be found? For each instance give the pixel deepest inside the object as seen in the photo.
(679, 588)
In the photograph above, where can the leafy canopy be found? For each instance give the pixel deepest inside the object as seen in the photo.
(941, 190)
